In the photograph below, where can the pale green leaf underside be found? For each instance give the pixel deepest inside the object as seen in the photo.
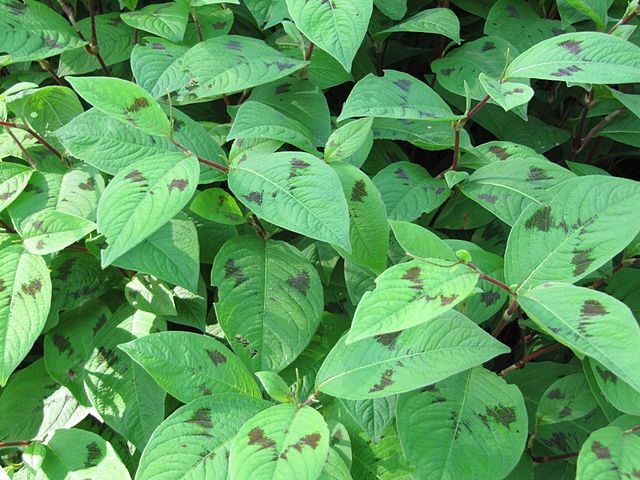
(409, 294)
(609, 452)
(395, 95)
(591, 323)
(581, 57)
(290, 189)
(401, 361)
(336, 26)
(441, 21)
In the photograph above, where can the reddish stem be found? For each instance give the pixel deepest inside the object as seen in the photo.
(15, 444)
(506, 318)
(538, 353)
(475, 109)
(22, 149)
(215, 165)
(553, 458)
(594, 131)
(40, 140)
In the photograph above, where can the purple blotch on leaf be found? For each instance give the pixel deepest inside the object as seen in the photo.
(388, 339)
(489, 297)
(606, 375)
(566, 72)
(540, 220)
(62, 343)
(254, 197)
(135, 176)
(93, 455)
(256, 437)
(403, 84)
(602, 452)
(138, 104)
(216, 357)
(301, 282)
(555, 394)
(89, 185)
(231, 270)
(32, 288)
(385, 381)
(581, 260)
(492, 199)
(179, 183)
(503, 415)
(537, 174)
(358, 192)
(400, 173)
(572, 45)
(202, 417)
(592, 308)
(233, 45)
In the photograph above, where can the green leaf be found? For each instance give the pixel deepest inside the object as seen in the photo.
(472, 415)
(267, 13)
(632, 102)
(589, 322)
(194, 440)
(123, 394)
(386, 460)
(401, 361)
(275, 386)
(506, 188)
(581, 57)
(49, 231)
(13, 179)
(518, 22)
(394, 9)
(486, 55)
(506, 94)
(609, 452)
(233, 63)
(496, 151)
(289, 189)
(441, 21)
(566, 399)
(25, 299)
(348, 139)
(157, 65)
(395, 95)
(116, 42)
(573, 11)
(38, 405)
(147, 293)
(616, 392)
(408, 190)
(587, 222)
(421, 133)
(256, 120)
(368, 228)
(283, 441)
(32, 31)
(167, 20)
(270, 299)
(338, 26)
(373, 414)
(124, 101)
(409, 294)
(81, 454)
(142, 198)
(171, 253)
(68, 345)
(417, 241)
(217, 205)
(177, 360)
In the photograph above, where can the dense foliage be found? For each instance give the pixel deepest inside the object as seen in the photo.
(319, 239)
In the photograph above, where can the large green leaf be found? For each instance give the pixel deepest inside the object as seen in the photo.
(256, 120)
(142, 198)
(189, 365)
(395, 95)
(506, 94)
(369, 229)
(373, 414)
(157, 65)
(232, 63)
(616, 391)
(348, 140)
(589, 322)
(507, 187)
(50, 231)
(290, 189)
(581, 57)
(193, 442)
(283, 441)
(441, 21)
(124, 101)
(401, 361)
(32, 31)
(167, 20)
(124, 395)
(270, 299)
(417, 241)
(409, 294)
(408, 190)
(421, 133)
(74, 453)
(25, 299)
(588, 221)
(609, 453)
(566, 399)
(336, 26)
(472, 415)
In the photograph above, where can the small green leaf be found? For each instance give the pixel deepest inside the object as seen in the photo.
(419, 242)
(147, 293)
(189, 365)
(194, 440)
(401, 361)
(49, 231)
(157, 65)
(13, 178)
(573, 11)
(506, 94)
(217, 205)
(409, 294)
(167, 20)
(25, 300)
(617, 392)
(609, 452)
(373, 414)
(336, 26)
(348, 139)
(283, 441)
(289, 189)
(395, 95)
(441, 21)
(275, 386)
(124, 101)
(581, 57)
(142, 198)
(566, 399)
(459, 420)
(590, 323)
